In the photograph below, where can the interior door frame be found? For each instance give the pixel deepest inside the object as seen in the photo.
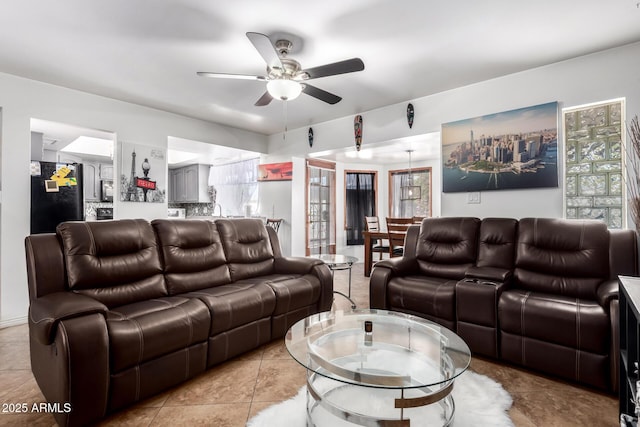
(332, 203)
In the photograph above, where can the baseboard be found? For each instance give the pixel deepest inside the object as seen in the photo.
(6, 323)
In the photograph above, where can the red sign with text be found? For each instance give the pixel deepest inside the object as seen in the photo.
(143, 183)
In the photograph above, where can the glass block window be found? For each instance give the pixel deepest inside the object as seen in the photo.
(594, 184)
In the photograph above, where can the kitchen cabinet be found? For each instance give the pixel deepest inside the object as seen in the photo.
(189, 184)
(106, 171)
(177, 189)
(92, 174)
(90, 181)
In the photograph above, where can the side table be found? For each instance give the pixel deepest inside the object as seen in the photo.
(339, 262)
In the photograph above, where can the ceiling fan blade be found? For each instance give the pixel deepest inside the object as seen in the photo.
(342, 67)
(265, 99)
(230, 76)
(320, 94)
(265, 48)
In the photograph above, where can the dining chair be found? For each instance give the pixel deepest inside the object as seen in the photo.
(372, 223)
(399, 220)
(274, 223)
(418, 219)
(397, 229)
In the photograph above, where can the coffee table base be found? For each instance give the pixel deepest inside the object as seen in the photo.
(333, 403)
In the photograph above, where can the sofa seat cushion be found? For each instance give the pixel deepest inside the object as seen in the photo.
(567, 321)
(145, 330)
(293, 291)
(433, 296)
(236, 304)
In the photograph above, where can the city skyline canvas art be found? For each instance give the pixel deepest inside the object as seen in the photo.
(509, 150)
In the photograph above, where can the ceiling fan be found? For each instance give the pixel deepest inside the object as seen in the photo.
(285, 77)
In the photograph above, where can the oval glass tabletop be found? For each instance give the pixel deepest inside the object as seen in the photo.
(336, 259)
(378, 348)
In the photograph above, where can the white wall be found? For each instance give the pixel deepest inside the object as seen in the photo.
(21, 100)
(592, 78)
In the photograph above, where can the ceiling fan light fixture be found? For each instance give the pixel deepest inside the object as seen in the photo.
(284, 89)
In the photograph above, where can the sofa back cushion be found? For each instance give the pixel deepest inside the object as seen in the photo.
(247, 247)
(115, 262)
(564, 257)
(497, 242)
(192, 254)
(447, 247)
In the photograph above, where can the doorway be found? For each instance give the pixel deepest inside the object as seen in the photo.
(321, 208)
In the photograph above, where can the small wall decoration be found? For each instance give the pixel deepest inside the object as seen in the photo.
(275, 171)
(310, 134)
(357, 128)
(410, 115)
(503, 151)
(146, 179)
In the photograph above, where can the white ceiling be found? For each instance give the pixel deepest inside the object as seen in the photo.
(422, 147)
(148, 51)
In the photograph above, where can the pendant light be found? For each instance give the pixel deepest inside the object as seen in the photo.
(410, 191)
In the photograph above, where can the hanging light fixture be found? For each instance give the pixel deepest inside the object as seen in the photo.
(410, 191)
(284, 89)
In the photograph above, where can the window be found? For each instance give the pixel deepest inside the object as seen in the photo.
(360, 201)
(234, 187)
(594, 184)
(402, 207)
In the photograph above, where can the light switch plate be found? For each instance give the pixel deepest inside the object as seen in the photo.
(473, 197)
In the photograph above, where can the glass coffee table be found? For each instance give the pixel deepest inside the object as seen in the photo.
(339, 262)
(377, 368)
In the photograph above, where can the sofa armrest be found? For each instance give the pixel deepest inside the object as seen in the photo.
(46, 312)
(316, 267)
(400, 266)
(477, 314)
(74, 368)
(382, 274)
(607, 291)
(295, 265)
(491, 274)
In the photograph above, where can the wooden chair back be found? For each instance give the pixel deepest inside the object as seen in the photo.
(395, 220)
(397, 230)
(274, 223)
(372, 223)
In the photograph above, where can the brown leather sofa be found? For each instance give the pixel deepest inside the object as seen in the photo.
(536, 292)
(120, 310)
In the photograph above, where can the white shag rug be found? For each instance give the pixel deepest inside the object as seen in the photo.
(479, 401)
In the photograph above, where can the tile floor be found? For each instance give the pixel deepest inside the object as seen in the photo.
(230, 394)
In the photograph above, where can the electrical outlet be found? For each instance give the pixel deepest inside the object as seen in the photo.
(473, 198)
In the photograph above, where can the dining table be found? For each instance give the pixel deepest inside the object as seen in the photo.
(369, 238)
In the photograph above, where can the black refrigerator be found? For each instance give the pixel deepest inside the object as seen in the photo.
(56, 195)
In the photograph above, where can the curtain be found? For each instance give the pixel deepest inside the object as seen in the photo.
(410, 208)
(360, 202)
(235, 187)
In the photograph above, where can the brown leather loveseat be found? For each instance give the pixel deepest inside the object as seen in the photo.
(536, 292)
(120, 310)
